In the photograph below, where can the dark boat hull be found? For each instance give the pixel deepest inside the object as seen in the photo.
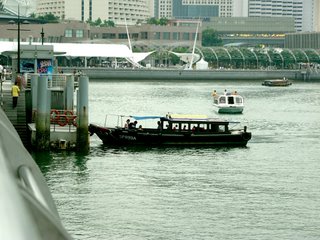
(276, 83)
(127, 137)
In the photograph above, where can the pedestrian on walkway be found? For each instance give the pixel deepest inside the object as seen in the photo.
(15, 90)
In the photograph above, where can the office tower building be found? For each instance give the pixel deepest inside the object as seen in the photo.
(200, 8)
(306, 13)
(120, 12)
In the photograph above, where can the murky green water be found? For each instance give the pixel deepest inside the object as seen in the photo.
(269, 190)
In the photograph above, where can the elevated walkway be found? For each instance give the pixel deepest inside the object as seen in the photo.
(17, 116)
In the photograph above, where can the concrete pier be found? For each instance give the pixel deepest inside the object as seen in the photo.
(69, 92)
(43, 115)
(106, 74)
(83, 112)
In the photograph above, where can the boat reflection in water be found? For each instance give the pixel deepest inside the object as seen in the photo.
(175, 130)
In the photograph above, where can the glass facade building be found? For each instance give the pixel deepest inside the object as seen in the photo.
(180, 10)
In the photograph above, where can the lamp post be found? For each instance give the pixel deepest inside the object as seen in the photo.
(18, 60)
(18, 40)
(42, 36)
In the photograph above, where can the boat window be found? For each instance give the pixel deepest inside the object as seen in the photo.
(238, 100)
(230, 100)
(214, 128)
(222, 99)
(222, 128)
(202, 127)
(184, 127)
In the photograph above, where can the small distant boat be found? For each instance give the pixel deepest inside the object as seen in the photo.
(175, 130)
(228, 103)
(277, 82)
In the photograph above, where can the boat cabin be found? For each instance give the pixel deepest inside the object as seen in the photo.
(228, 100)
(194, 123)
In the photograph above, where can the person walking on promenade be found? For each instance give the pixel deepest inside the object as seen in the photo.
(15, 90)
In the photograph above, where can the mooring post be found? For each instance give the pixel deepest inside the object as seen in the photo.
(43, 115)
(34, 94)
(69, 92)
(82, 113)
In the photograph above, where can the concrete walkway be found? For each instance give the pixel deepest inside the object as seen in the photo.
(17, 115)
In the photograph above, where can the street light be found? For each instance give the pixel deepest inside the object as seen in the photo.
(19, 30)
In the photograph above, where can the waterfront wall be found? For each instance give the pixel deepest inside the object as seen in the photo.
(175, 74)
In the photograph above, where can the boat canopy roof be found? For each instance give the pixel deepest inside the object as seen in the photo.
(185, 118)
(190, 118)
(145, 117)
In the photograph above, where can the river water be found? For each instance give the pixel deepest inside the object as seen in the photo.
(268, 190)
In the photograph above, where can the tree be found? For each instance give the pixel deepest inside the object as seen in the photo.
(163, 21)
(108, 23)
(98, 22)
(152, 21)
(90, 22)
(155, 21)
(210, 38)
(49, 17)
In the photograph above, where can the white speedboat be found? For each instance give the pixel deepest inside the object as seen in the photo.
(228, 103)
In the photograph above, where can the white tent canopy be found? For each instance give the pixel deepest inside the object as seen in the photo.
(85, 50)
(186, 57)
(202, 65)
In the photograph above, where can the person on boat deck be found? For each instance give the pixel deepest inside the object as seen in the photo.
(225, 92)
(214, 93)
(133, 124)
(235, 93)
(159, 125)
(140, 128)
(184, 127)
(126, 125)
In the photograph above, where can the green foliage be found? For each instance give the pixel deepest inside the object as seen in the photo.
(155, 21)
(48, 18)
(99, 23)
(180, 49)
(210, 38)
(108, 23)
(163, 21)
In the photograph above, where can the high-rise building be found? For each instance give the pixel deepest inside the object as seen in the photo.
(306, 13)
(120, 12)
(200, 8)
